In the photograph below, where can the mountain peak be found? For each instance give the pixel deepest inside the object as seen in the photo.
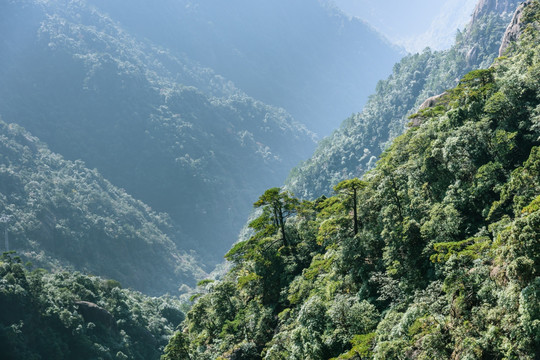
(485, 7)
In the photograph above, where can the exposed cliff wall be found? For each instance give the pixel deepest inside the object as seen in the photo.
(485, 7)
(514, 28)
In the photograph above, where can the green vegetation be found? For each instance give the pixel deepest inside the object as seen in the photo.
(61, 214)
(74, 316)
(433, 254)
(355, 147)
(446, 260)
(351, 188)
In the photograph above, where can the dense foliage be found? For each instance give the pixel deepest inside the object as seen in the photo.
(74, 316)
(445, 263)
(59, 213)
(354, 148)
(171, 133)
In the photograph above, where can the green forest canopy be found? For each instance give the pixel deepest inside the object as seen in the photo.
(446, 261)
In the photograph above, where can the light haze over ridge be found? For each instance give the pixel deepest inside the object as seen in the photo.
(404, 22)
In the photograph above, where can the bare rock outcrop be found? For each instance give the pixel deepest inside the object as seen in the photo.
(514, 29)
(472, 56)
(418, 119)
(93, 313)
(494, 6)
(432, 101)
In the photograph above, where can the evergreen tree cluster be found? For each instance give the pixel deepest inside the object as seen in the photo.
(435, 255)
(69, 315)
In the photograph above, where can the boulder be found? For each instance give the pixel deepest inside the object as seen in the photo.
(93, 313)
(432, 101)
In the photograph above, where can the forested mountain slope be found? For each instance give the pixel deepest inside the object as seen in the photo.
(74, 316)
(61, 214)
(173, 134)
(303, 55)
(354, 147)
(442, 260)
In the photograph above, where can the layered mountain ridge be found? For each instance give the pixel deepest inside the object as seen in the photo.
(305, 56)
(354, 148)
(434, 254)
(173, 134)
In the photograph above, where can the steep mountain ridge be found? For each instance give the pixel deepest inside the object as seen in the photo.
(353, 149)
(61, 214)
(485, 7)
(513, 31)
(172, 133)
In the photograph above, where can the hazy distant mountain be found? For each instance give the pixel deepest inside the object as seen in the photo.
(441, 33)
(427, 23)
(302, 55)
(173, 134)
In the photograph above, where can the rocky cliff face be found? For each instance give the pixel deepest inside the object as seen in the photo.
(484, 17)
(514, 28)
(494, 6)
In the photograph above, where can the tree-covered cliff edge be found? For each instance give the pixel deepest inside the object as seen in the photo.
(444, 259)
(354, 148)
